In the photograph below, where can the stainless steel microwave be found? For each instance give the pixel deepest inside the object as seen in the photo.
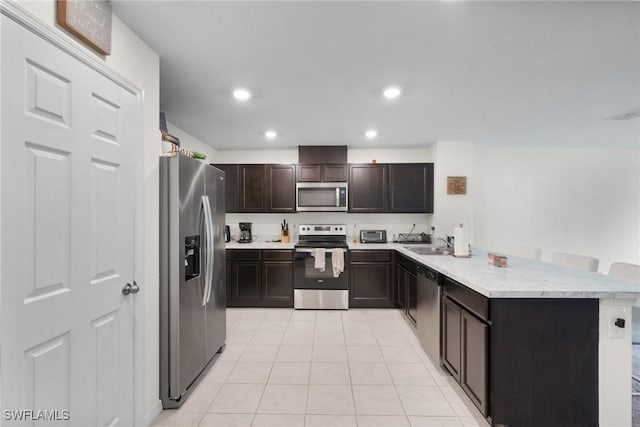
(321, 197)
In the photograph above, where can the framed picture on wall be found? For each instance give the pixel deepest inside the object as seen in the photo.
(456, 185)
(89, 21)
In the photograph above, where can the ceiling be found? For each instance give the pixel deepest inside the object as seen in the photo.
(516, 73)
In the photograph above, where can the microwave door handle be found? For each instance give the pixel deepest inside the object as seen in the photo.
(337, 197)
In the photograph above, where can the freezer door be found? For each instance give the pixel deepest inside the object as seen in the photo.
(217, 300)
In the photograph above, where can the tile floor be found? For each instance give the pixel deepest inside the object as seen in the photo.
(283, 367)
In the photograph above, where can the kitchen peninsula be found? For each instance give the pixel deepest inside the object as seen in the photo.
(531, 344)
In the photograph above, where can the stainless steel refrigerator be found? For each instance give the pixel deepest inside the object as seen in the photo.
(192, 274)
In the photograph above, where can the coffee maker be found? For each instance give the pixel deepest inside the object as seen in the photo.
(245, 232)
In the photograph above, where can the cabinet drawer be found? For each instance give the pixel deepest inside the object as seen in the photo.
(235, 254)
(369, 256)
(471, 300)
(277, 255)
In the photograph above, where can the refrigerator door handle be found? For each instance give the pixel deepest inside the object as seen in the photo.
(210, 252)
(207, 248)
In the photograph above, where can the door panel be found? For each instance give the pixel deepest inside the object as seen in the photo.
(451, 339)
(192, 317)
(277, 284)
(216, 328)
(252, 188)
(281, 188)
(473, 375)
(67, 234)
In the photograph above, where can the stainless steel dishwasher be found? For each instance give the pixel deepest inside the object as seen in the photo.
(428, 321)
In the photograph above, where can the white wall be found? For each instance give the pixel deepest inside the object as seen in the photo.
(134, 60)
(584, 201)
(257, 156)
(192, 143)
(453, 158)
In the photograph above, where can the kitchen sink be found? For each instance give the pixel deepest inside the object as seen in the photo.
(421, 250)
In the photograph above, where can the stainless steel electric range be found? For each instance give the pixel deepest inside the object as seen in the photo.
(321, 283)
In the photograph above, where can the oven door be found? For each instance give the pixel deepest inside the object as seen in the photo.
(306, 276)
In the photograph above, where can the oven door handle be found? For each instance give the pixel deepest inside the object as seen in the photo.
(312, 250)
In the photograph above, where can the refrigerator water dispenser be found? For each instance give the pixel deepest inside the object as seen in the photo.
(191, 257)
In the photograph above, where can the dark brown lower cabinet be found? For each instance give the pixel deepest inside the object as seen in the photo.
(465, 351)
(370, 281)
(451, 341)
(277, 279)
(474, 352)
(401, 286)
(257, 278)
(544, 362)
(412, 296)
(523, 362)
(407, 288)
(245, 283)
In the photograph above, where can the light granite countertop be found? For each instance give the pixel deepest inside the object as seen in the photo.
(260, 244)
(522, 278)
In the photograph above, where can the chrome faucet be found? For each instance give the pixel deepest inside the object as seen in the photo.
(448, 241)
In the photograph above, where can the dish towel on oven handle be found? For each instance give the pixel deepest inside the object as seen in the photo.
(319, 255)
(337, 261)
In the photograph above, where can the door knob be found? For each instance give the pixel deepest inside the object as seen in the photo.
(130, 289)
(135, 288)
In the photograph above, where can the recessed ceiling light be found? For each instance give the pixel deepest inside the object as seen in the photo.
(241, 94)
(371, 133)
(270, 134)
(392, 92)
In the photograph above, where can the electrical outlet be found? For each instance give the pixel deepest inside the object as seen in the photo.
(620, 318)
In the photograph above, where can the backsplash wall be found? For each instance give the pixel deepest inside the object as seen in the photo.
(267, 226)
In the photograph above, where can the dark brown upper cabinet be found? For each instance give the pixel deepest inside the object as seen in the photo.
(322, 163)
(281, 188)
(266, 188)
(411, 188)
(252, 188)
(322, 154)
(322, 173)
(231, 185)
(368, 188)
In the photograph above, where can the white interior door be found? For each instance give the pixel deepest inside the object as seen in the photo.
(67, 212)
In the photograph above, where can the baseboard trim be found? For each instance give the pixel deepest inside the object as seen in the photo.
(152, 413)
